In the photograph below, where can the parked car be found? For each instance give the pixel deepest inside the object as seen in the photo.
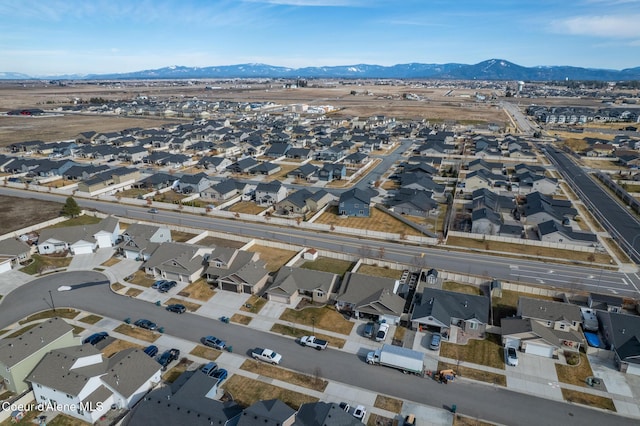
(209, 368)
(153, 211)
(266, 355)
(381, 335)
(177, 308)
(512, 356)
(167, 286)
(96, 338)
(368, 329)
(220, 374)
(145, 323)
(168, 356)
(158, 283)
(345, 406)
(410, 420)
(214, 342)
(436, 338)
(151, 350)
(359, 413)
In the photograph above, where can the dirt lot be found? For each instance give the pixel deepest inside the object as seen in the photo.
(17, 213)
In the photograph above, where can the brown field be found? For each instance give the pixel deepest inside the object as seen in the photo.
(275, 258)
(17, 213)
(377, 221)
(248, 207)
(247, 391)
(117, 346)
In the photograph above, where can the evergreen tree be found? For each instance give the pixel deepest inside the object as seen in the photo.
(71, 208)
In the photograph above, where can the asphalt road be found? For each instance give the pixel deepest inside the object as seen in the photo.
(90, 292)
(616, 218)
(558, 276)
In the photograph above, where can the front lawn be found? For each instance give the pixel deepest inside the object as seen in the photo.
(475, 374)
(575, 374)
(247, 391)
(41, 264)
(326, 264)
(263, 369)
(324, 318)
(297, 332)
(199, 290)
(487, 352)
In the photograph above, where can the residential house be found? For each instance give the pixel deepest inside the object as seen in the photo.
(457, 316)
(621, 334)
(223, 191)
(553, 232)
(332, 171)
(370, 297)
(277, 150)
(357, 158)
(157, 181)
(191, 184)
(530, 182)
(540, 208)
(270, 193)
(265, 168)
(485, 221)
(305, 172)
(299, 153)
(413, 202)
(80, 239)
(354, 202)
(19, 355)
(543, 327)
(483, 179)
(84, 385)
(272, 412)
(481, 164)
(190, 402)
(324, 414)
(292, 284)
(132, 154)
(12, 252)
(244, 165)
(217, 164)
(605, 302)
(179, 262)
(422, 182)
(109, 181)
(236, 270)
(139, 241)
(83, 171)
(330, 154)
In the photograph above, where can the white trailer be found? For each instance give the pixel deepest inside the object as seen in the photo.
(404, 359)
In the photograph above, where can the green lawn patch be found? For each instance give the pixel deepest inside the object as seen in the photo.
(41, 264)
(79, 220)
(326, 264)
(62, 313)
(379, 271)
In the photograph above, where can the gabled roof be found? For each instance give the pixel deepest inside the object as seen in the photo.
(272, 412)
(71, 234)
(15, 349)
(446, 305)
(551, 227)
(179, 258)
(271, 187)
(371, 294)
(356, 194)
(290, 280)
(13, 247)
(324, 414)
(548, 310)
(624, 335)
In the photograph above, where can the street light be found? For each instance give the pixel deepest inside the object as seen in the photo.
(313, 325)
(52, 305)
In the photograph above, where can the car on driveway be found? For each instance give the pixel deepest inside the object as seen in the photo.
(209, 368)
(436, 338)
(359, 412)
(220, 374)
(168, 356)
(167, 286)
(151, 350)
(381, 335)
(512, 356)
(96, 338)
(368, 329)
(145, 323)
(177, 308)
(214, 342)
(156, 285)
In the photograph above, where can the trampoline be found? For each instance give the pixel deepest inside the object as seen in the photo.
(592, 339)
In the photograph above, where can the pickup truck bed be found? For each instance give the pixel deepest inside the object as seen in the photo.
(314, 342)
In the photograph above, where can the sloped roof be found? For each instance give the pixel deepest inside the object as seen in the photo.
(15, 349)
(180, 258)
(324, 414)
(289, 280)
(548, 310)
(71, 234)
(445, 305)
(272, 412)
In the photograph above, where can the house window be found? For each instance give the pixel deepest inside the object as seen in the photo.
(473, 326)
(563, 326)
(69, 396)
(38, 385)
(361, 212)
(355, 206)
(548, 323)
(218, 265)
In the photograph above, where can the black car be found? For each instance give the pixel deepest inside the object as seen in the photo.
(177, 308)
(168, 356)
(96, 338)
(157, 284)
(167, 286)
(151, 350)
(145, 323)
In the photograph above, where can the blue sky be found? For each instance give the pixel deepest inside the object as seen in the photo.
(52, 37)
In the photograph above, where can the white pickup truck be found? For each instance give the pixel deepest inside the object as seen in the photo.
(266, 355)
(314, 342)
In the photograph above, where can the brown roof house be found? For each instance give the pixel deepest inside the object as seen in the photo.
(236, 270)
(372, 297)
(179, 262)
(292, 284)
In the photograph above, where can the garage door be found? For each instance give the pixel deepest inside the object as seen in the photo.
(229, 287)
(541, 350)
(82, 250)
(633, 369)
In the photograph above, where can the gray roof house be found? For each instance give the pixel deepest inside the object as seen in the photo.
(224, 190)
(621, 333)
(189, 401)
(80, 239)
(553, 232)
(87, 385)
(190, 184)
(269, 193)
(324, 414)
(179, 262)
(12, 252)
(413, 202)
(19, 355)
(272, 412)
(292, 284)
(372, 297)
(139, 241)
(236, 270)
(354, 202)
(305, 171)
(458, 316)
(303, 201)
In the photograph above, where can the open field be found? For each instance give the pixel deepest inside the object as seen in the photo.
(274, 258)
(377, 221)
(17, 213)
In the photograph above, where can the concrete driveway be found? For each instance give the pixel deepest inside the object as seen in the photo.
(535, 375)
(91, 260)
(13, 279)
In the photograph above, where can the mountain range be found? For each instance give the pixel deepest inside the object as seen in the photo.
(492, 69)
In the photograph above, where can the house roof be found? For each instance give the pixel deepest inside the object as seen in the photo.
(128, 370)
(289, 280)
(446, 305)
(272, 187)
(272, 412)
(370, 294)
(624, 334)
(552, 227)
(14, 350)
(13, 247)
(324, 414)
(71, 234)
(356, 194)
(548, 310)
(179, 258)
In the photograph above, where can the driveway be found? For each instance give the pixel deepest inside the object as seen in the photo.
(91, 260)
(534, 375)
(13, 279)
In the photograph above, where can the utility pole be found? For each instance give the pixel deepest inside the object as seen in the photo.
(52, 305)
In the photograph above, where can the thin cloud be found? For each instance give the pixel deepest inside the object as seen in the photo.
(609, 26)
(312, 3)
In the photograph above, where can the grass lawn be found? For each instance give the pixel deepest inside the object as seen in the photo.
(205, 352)
(199, 290)
(141, 279)
(326, 264)
(275, 258)
(41, 264)
(91, 319)
(181, 237)
(378, 271)
(241, 319)
(77, 330)
(248, 207)
(487, 352)
(575, 374)
(472, 373)
(62, 313)
(515, 249)
(462, 420)
(65, 420)
(247, 391)
(133, 292)
(137, 332)
(461, 288)
(507, 305)
(27, 420)
(191, 307)
(389, 404)
(117, 287)
(173, 374)
(111, 261)
(296, 332)
(324, 318)
(80, 220)
(299, 379)
(588, 399)
(254, 304)
(117, 346)
(377, 221)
